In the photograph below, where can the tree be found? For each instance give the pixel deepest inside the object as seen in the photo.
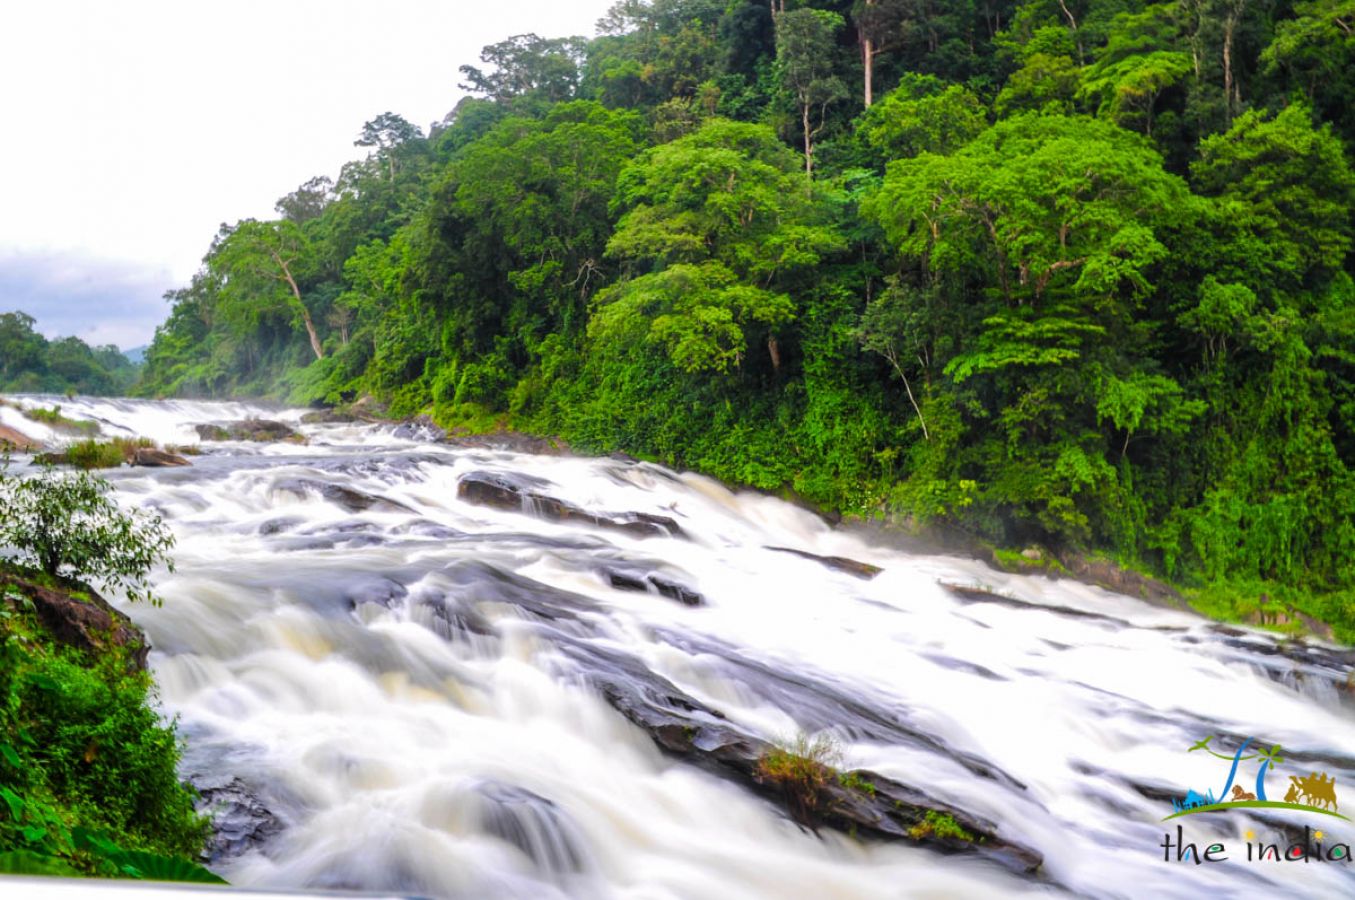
(260, 263)
(922, 115)
(387, 133)
(308, 201)
(717, 228)
(528, 64)
(804, 58)
(66, 525)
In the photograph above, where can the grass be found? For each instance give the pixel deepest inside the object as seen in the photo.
(53, 418)
(802, 768)
(941, 825)
(95, 455)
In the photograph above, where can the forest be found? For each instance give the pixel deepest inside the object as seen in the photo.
(30, 363)
(1066, 273)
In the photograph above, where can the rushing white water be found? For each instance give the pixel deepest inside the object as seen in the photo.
(370, 678)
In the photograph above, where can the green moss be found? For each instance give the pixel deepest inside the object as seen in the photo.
(852, 781)
(941, 825)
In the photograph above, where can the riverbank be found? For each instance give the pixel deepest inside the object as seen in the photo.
(87, 766)
(1285, 610)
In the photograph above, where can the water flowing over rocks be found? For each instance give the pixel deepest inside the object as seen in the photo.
(455, 669)
(518, 494)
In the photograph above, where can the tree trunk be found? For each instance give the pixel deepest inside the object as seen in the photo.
(809, 140)
(305, 313)
(775, 350)
(868, 57)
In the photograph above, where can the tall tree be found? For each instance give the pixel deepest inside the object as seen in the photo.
(260, 264)
(804, 57)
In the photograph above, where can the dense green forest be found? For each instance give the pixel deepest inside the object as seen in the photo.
(30, 363)
(1070, 272)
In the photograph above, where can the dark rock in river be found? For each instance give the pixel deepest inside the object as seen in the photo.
(419, 428)
(645, 582)
(157, 459)
(533, 824)
(249, 430)
(78, 617)
(240, 821)
(518, 494)
(839, 563)
(684, 727)
(347, 498)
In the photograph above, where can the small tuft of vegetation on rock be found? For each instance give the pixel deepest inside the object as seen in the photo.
(941, 825)
(802, 768)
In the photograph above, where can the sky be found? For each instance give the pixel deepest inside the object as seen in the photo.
(134, 128)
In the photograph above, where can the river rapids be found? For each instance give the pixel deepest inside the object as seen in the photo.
(410, 692)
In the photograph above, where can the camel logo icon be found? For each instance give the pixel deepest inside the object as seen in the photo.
(1314, 792)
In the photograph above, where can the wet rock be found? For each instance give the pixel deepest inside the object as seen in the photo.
(976, 594)
(839, 563)
(259, 430)
(157, 459)
(1105, 574)
(78, 617)
(240, 820)
(347, 498)
(533, 824)
(1034, 554)
(17, 440)
(419, 428)
(328, 417)
(646, 582)
(378, 590)
(477, 582)
(685, 728)
(522, 494)
(512, 441)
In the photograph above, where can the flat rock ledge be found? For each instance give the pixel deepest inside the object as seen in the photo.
(523, 495)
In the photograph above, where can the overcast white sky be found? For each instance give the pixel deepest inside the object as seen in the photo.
(133, 128)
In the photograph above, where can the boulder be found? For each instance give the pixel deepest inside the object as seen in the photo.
(16, 440)
(522, 494)
(157, 459)
(839, 563)
(78, 617)
(248, 430)
(645, 582)
(240, 821)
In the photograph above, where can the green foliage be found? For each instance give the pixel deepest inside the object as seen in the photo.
(1080, 276)
(66, 525)
(31, 363)
(87, 769)
(95, 455)
(941, 825)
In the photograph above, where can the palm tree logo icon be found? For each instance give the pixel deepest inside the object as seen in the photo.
(1314, 793)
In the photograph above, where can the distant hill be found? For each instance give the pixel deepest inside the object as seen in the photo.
(137, 355)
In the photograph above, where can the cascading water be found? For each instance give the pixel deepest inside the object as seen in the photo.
(407, 684)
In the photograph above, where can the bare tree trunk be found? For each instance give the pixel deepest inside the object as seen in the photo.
(774, 349)
(1077, 35)
(305, 313)
(868, 57)
(809, 140)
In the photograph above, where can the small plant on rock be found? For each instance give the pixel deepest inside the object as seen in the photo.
(803, 768)
(66, 525)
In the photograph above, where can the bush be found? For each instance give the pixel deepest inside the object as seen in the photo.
(95, 455)
(66, 525)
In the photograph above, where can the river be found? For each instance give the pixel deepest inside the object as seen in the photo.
(409, 684)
